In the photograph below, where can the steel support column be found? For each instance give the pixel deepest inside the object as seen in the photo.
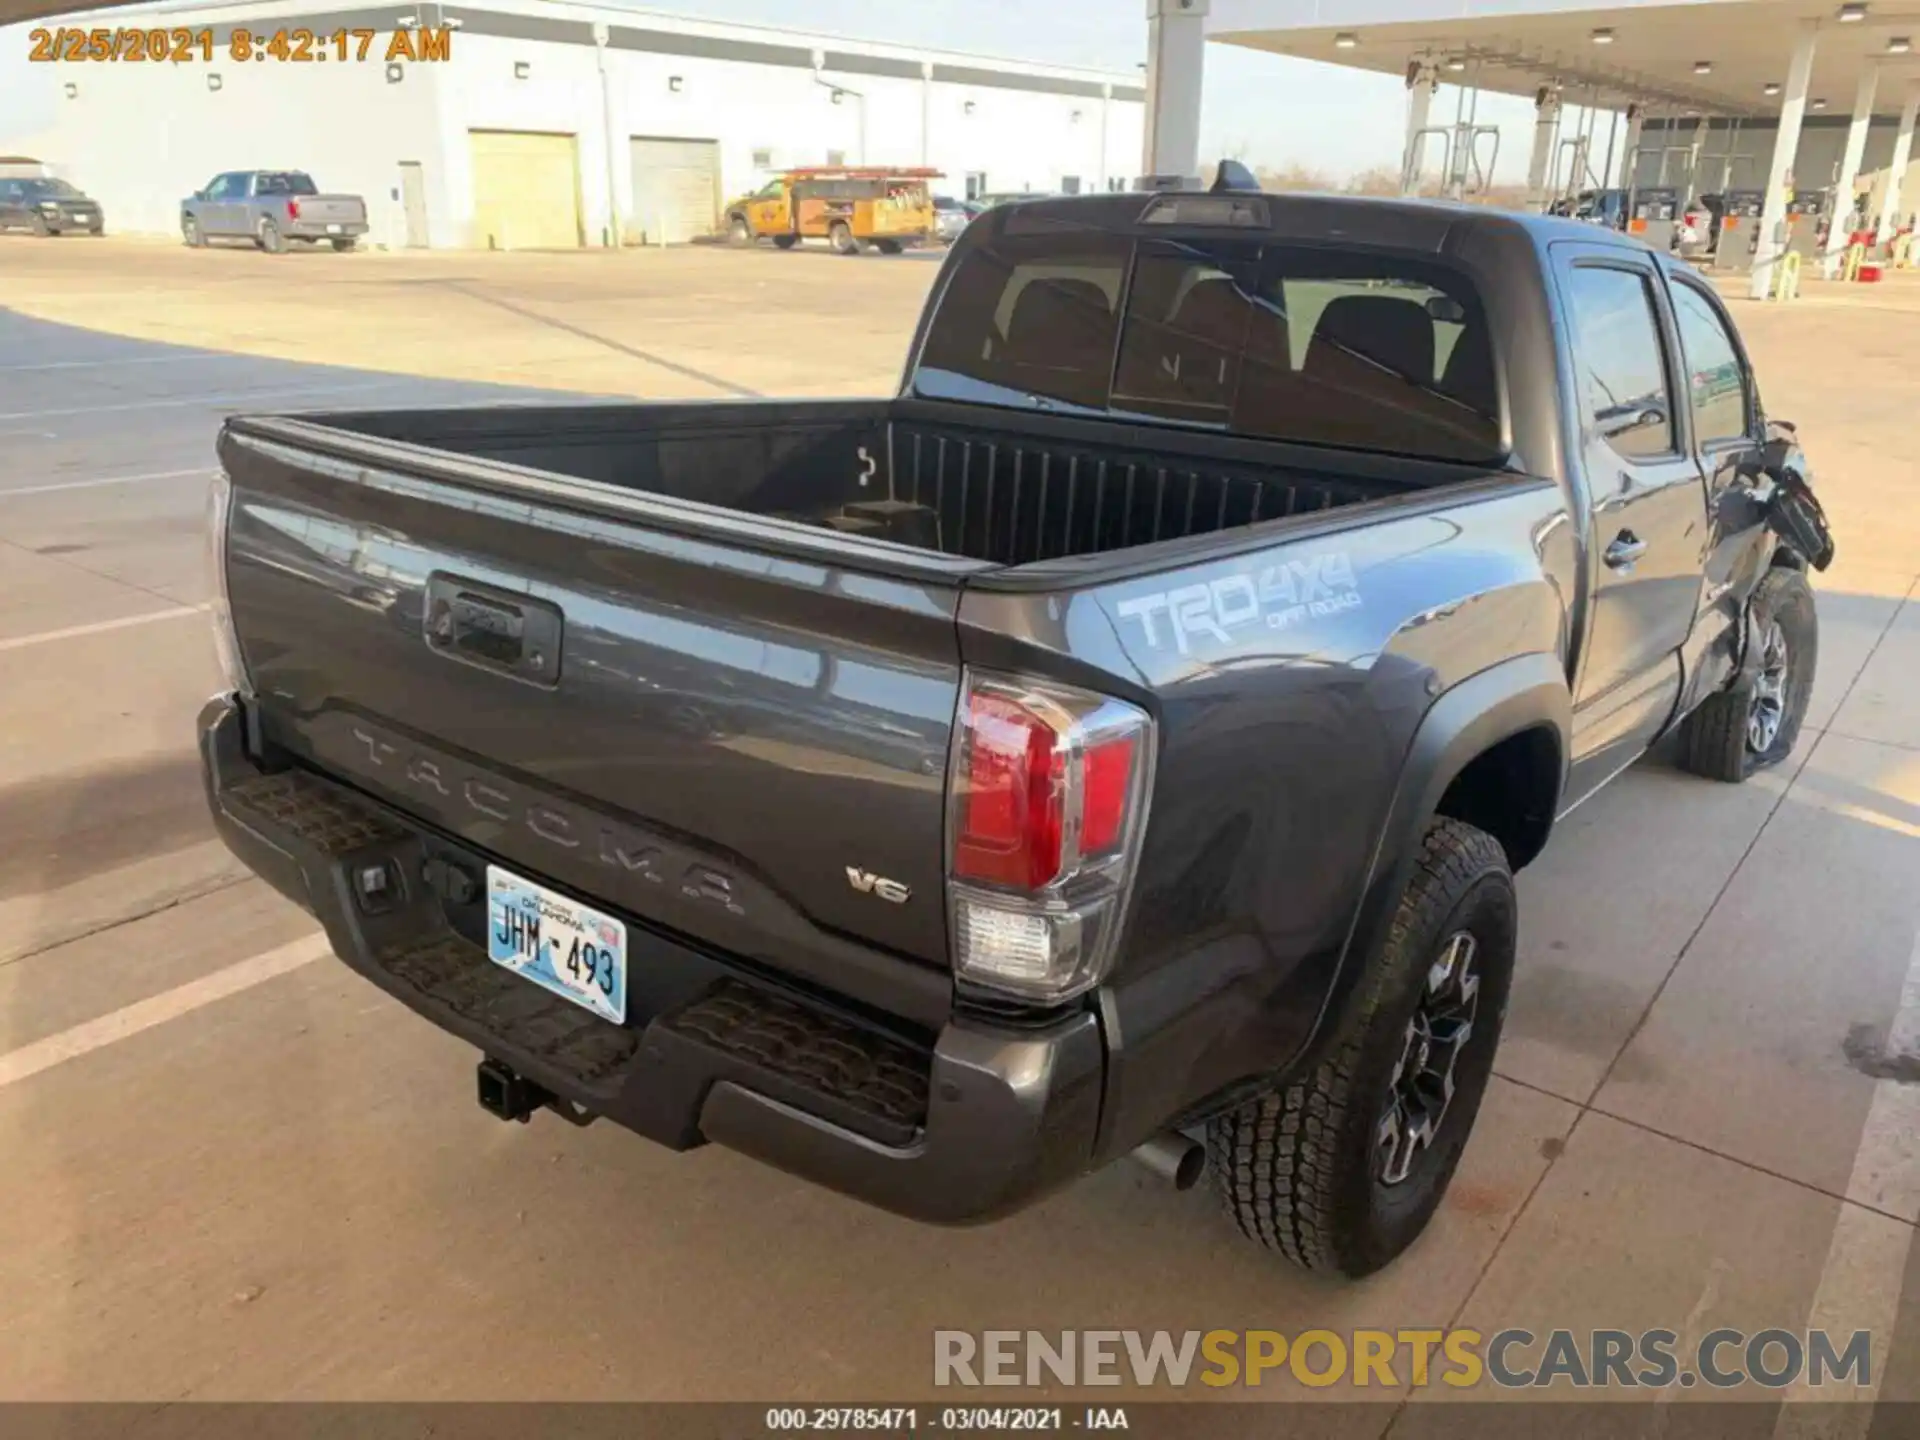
(1897, 171)
(1838, 231)
(1630, 146)
(1786, 144)
(1546, 135)
(1176, 61)
(1423, 79)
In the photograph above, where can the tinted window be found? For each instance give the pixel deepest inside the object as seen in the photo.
(290, 183)
(1189, 315)
(1716, 385)
(1028, 317)
(1370, 352)
(1617, 338)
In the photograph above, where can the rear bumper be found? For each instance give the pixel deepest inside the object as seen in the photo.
(967, 1127)
(323, 229)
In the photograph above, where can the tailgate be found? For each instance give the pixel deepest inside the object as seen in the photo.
(705, 734)
(333, 209)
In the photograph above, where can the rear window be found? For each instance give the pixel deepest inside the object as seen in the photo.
(1360, 350)
(290, 183)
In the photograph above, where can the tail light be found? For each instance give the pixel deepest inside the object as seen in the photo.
(1047, 799)
(226, 643)
(293, 208)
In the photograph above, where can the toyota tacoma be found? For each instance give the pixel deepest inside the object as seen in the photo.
(1119, 742)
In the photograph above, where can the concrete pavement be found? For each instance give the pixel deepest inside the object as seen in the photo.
(233, 1178)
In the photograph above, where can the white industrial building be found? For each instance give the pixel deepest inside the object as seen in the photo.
(549, 125)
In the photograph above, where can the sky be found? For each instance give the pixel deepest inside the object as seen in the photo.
(1267, 110)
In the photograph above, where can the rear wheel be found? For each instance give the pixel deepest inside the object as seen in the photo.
(840, 236)
(739, 232)
(1754, 722)
(271, 240)
(1342, 1167)
(786, 242)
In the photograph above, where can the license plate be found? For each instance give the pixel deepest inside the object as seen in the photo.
(333, 229)
(571, 949)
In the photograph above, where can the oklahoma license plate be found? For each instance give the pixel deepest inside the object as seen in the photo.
(573, 950)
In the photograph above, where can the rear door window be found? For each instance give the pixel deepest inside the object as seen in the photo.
(1368, 351)
(1616, 331)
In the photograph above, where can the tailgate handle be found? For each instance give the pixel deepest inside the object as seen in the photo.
(514, 634)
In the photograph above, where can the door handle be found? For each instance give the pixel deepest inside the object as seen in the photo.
(1625, 549)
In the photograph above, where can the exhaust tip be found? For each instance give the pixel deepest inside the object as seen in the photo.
(1175, 1158)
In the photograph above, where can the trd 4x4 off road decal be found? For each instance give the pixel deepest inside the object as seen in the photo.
(1278, 596)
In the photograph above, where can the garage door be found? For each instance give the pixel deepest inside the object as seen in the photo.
(676, 190)
(526, 191)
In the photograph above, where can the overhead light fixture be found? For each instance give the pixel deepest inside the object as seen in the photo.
(1819, 104)
(967, 109)
(214, 82)
(521, 69)
(1456, 64)
(1602, 36)
(73, 90)
(1851, 14)
(1772, 87)
(838, 96)
(1703, 67)
(674, 82)
(396, 72)
(1899, 45)
(1345, 40)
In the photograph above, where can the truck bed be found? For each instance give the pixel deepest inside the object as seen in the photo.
(995, 486)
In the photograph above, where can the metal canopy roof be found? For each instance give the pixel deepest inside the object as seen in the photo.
(1516, 46)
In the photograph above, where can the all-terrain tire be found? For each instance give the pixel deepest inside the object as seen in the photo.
(1724, 738)
(1300, 1169)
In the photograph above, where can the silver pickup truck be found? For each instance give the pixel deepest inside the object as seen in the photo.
(270, 208)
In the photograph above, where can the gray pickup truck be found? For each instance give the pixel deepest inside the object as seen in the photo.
(1118, 743)
(271, 208)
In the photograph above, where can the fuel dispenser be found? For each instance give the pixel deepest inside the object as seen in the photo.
(1652, 215)
(1739, 230)
(1806, 211)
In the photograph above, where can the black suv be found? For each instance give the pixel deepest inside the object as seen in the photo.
(48, 206)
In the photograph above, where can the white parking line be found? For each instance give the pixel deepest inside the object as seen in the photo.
(128, 360)
(1867, 1260)
(203, 401)
(71, 632)
(107, 480)
(31, 1059)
